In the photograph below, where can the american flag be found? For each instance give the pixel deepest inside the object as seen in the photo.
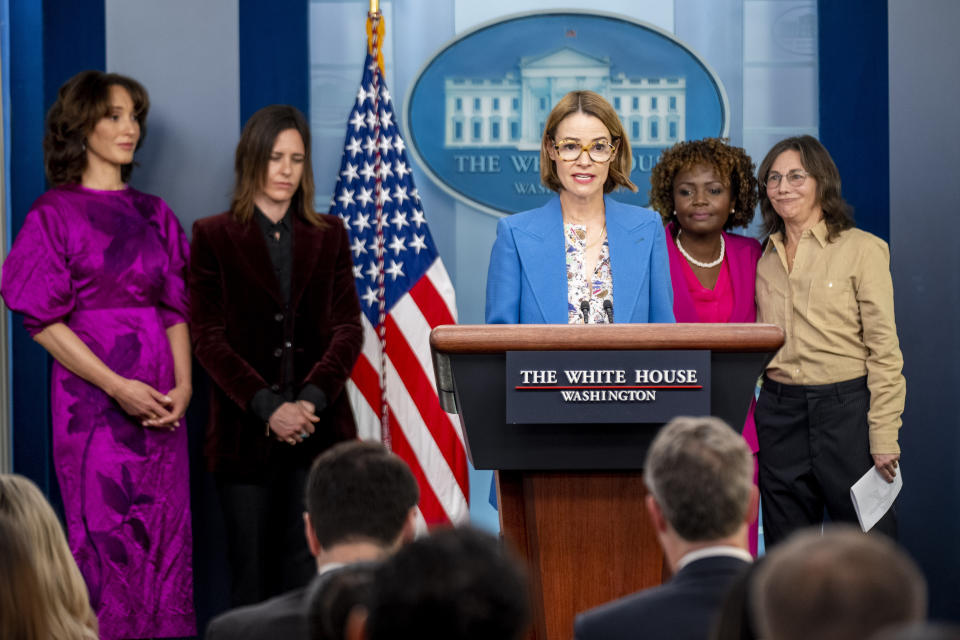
(404, 292)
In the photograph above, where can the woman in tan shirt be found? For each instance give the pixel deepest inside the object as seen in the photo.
(832, 396)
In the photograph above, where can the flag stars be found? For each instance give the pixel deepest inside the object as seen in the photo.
(383, 197)
(365, 196)
(356, 121)
(400, 168)
(353, 148)
(349, 173)
(400, 194)
(369, 146)
(358, 247)
(361, 95)
(385, 94)
(395, 269)
(373, 271)
(398, 144)
(397, 245)
(386, 120)
(418, 243)
(418, 218)
(385, 171)
(368, 171)
(358, 272)
(399, 220)
(371, 119)
(361, 221)
(370, 297)
(345, 198)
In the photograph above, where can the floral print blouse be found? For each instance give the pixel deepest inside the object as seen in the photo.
(595, 287)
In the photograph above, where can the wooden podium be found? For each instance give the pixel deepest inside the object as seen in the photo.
(571, 495)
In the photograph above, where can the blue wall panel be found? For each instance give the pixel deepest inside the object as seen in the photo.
(274, 55)
(854, 105)
(49, 42)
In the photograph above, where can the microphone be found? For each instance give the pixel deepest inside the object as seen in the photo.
(608, 309)
(585, 311)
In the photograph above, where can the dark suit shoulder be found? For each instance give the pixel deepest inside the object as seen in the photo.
(684, 607)
(213, 222)
(279, 617)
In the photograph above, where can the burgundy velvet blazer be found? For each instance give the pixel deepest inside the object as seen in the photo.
(239, 323)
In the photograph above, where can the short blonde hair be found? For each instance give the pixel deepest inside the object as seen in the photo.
(594, 105)
(65, 596)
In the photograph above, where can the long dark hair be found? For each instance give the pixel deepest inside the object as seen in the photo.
(253, 157)
(81, 102)
(816, 162)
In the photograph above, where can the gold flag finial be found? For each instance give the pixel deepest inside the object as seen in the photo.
(375, 33)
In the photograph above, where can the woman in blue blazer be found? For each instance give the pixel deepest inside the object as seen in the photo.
(583, 257)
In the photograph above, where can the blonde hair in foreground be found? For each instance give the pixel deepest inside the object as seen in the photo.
(65, 598)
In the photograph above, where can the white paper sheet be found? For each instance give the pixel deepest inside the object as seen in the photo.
(872, 496)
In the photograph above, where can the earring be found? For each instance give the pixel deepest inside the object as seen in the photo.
(674, 213)
(733, 209)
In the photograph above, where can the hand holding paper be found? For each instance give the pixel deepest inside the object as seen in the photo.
(872, 496)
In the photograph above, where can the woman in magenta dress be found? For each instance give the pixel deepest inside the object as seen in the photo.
(98, 270)
(703, 188)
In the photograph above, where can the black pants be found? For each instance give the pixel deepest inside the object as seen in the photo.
(266, 547)
(814, 444)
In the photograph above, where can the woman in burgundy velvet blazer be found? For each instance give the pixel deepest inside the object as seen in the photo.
(276, 324)
(702, 189)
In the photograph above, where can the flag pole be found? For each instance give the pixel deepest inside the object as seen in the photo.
(374, 44)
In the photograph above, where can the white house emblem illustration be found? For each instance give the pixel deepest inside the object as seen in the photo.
(510, 111)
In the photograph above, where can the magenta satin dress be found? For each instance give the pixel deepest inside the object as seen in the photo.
(111, 265)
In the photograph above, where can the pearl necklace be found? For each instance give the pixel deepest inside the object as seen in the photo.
(702, 265)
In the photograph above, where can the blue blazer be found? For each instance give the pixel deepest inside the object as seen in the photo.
(527, 278)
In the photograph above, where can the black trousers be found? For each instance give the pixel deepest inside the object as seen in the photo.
(266, 546)
(814, 444)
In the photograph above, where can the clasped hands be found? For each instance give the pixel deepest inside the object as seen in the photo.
(293, 421)
(154, 409)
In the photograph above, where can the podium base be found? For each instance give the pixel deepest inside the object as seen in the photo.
(586, 539)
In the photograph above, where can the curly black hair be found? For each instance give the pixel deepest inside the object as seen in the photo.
(727, 160)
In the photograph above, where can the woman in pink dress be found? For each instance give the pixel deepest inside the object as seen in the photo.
(702, 189)
(98, 271)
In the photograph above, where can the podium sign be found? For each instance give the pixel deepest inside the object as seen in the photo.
(631, 387)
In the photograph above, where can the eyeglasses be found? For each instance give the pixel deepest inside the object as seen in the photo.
(794, 179)
(598, 150)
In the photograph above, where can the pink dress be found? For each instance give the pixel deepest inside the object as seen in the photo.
(733, 299)
(111, 265)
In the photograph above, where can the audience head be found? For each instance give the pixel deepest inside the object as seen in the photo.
(357, 491)
(22, 615)
(920, 631)
(841, 585)
(330, 601)
(457, 584)
(65, 596)
(700, 475)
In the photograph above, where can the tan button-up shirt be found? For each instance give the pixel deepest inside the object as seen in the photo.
(836, 309)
